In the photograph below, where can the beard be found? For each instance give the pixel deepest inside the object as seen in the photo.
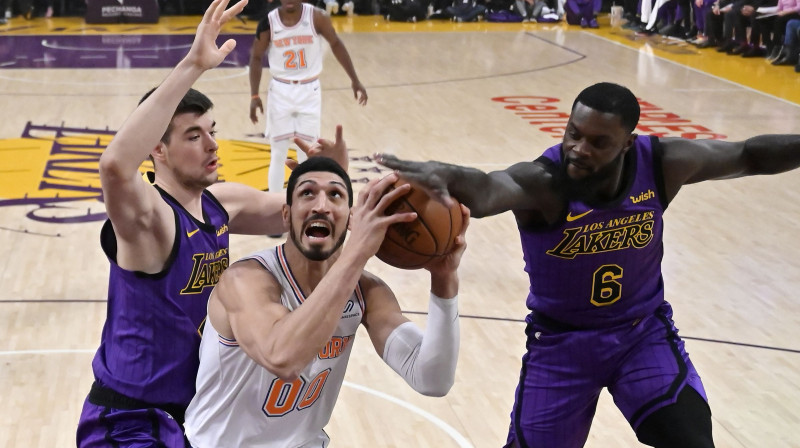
(314, 253)
(587, 188)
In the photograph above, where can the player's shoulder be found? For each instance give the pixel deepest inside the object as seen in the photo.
(370, 282)
(319, 15)
(263, 26)
(249, 273)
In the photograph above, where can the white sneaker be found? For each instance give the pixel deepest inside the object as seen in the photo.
(332, 8)
(348, 8)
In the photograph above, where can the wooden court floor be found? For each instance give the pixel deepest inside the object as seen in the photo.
(451, 92)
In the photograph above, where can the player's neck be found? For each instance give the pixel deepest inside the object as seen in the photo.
(290, 18)
(189, 198)
(308, 273)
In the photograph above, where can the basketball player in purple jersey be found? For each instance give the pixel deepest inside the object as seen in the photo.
(589, 214)
(167, 244)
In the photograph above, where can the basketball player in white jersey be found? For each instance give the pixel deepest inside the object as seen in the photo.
(290, 35)
(281, 322)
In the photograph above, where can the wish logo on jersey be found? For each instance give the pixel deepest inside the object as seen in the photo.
(634, 231)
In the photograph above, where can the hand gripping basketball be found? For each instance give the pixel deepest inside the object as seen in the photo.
(411, 245)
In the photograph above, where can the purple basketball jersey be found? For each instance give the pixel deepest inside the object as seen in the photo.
(602, 265)
(150, 341)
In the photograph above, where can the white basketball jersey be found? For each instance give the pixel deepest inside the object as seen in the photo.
(240, 404)
(295, 53)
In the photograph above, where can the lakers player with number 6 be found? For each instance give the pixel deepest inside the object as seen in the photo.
(589, 213)
(290, 35)
(281, 322)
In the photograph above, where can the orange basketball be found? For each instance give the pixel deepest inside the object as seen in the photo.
(409, 245)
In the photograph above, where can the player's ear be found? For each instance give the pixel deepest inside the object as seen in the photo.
(285, 215)
(158, 152)
(629, 142)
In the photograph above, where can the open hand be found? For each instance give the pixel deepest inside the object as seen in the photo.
(429, 176)
(204, 52)
(368, 218)
(336, 150)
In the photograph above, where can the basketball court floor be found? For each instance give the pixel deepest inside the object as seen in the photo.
(484, 95)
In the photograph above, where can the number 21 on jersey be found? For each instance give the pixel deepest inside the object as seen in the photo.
(294, 59)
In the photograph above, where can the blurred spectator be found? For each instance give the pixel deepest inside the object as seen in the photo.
(787, 11)
(583, 12)
(715, 26)
(23, 8)
(790, 45)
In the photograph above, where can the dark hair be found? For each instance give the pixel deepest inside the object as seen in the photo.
(193, 102)
(611, 98)
(318, 164)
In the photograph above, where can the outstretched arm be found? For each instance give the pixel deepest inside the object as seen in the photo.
(426, 360)
(323, 25)
(136, 210)
(692, 161)
(523, 186)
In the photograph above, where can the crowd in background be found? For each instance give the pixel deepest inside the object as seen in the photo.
(743, 28)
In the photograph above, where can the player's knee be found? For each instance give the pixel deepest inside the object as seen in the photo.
(685, 424)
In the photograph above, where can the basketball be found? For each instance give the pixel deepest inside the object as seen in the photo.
(410, 245)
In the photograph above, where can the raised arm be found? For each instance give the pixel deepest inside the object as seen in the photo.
(525, 186)
(140, 217)
(285, 342)
(692, 161)
(260, 45)
(426, 360)
(324, 26)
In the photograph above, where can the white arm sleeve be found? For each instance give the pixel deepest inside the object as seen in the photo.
(427, 361)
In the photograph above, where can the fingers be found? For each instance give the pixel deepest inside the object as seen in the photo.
(375, 189)
(339, 133)
(465, 214)
(378, 196)
(227, 47)
(429, 185)
(212, 13)
(387, 160)
(291, 164)
(390, 161)
(362, 98)
(310, 149)
(234, 11)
